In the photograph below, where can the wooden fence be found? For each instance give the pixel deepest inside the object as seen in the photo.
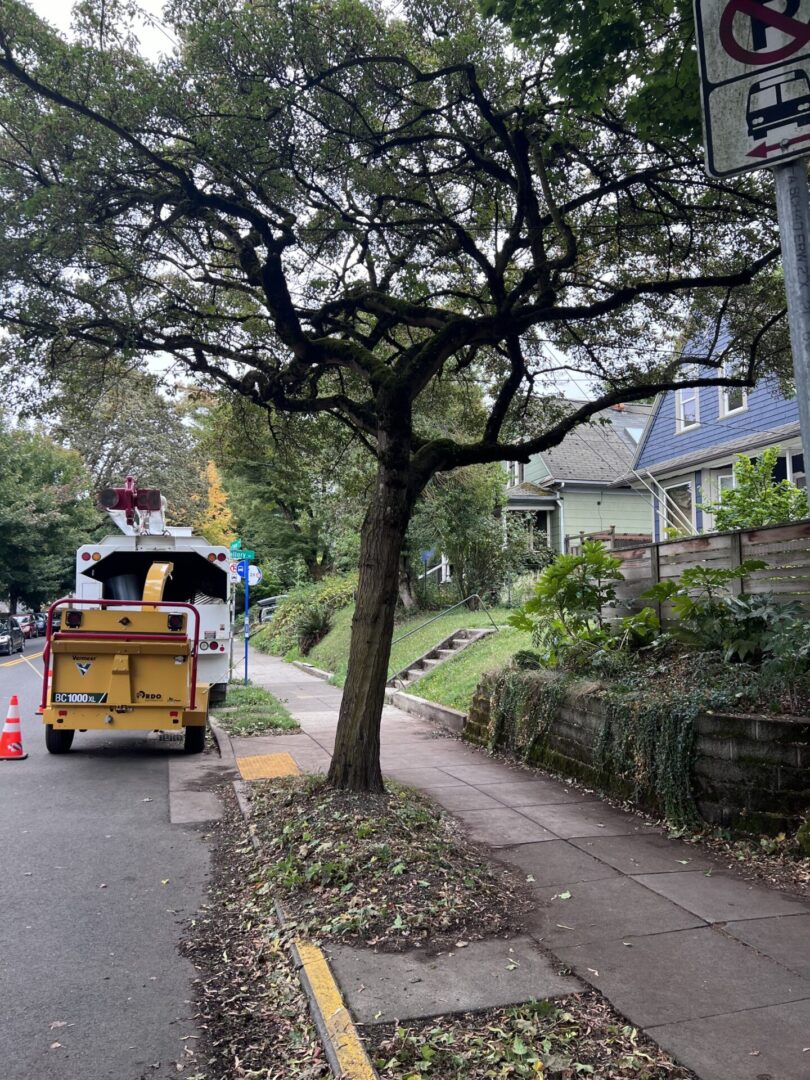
(785, 549)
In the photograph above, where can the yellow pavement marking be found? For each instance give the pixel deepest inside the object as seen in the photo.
(267, 766)
(36, 671)
(21, 659)
(352, 1058)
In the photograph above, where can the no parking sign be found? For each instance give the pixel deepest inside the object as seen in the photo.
(755, 78)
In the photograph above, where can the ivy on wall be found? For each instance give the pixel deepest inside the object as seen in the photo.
(523, 706)
(648, 742)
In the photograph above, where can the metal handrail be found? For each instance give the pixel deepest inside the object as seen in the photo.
(473, 596)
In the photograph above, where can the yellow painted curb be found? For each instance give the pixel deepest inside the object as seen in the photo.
(352, 1060)
(267, 766)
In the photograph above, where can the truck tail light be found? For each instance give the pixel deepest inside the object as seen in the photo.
(203, 646)
(221, 556)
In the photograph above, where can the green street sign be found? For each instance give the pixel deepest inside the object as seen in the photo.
(235, 545)
(239, 555)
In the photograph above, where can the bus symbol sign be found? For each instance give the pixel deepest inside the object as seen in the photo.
(754, 58)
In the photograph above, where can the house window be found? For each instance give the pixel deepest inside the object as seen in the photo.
(733, 399)
(797, 470)
(537, 530)
(687, 409)
(515, 472)
(725, 482)
(678, 508)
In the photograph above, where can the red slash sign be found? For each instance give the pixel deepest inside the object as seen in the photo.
(761, 17)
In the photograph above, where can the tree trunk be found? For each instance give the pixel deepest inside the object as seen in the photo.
(356, 760)
(406, 593)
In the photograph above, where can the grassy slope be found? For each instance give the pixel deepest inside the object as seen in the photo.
(453, 683)
(333, 652)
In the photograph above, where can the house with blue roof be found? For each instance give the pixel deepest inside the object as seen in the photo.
(685, 457)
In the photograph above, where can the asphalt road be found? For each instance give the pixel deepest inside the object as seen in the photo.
(95, 887)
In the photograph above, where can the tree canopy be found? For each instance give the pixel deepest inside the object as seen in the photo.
(45, 514)
(635, 58)
(333, 207)
(126, 425)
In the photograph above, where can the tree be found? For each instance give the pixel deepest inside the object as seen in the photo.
(45, 514)
(215, 520)
(330, 208)
(635, 57)
(461, 515)
(296, 486)
(124, 425)
(757, 497)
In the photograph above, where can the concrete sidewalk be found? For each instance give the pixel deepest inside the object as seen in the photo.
(713, 968)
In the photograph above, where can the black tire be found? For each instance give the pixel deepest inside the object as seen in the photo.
(22, 646)
(195, 739)
(58, 742)
(218, 693)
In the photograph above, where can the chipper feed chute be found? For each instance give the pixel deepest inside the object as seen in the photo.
(124, 665)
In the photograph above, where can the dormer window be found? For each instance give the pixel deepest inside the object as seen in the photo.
(687, 408)
(733, 399)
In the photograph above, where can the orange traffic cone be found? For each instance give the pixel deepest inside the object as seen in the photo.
(11, 738)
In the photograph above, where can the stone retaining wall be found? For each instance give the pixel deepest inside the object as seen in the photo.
(749, 772)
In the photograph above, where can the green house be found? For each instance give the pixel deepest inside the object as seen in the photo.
(571, 490)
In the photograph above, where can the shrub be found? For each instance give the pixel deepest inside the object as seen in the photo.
(711, 617)
(566, 615)
(312, 626)
(758, 498)
(306, 614)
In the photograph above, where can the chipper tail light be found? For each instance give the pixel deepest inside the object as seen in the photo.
(73, 619)
(175, 622)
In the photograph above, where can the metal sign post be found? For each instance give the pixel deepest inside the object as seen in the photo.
(793, 206)
(244, 573)
(754, 58)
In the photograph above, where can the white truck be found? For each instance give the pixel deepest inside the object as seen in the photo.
(115, 568)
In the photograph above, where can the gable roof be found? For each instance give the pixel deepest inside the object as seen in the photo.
(597, 452)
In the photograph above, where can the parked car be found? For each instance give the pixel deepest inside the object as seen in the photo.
(28, 625)
(42, 623)
(12, 638)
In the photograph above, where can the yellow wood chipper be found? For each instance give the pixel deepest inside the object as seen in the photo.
(123, 665)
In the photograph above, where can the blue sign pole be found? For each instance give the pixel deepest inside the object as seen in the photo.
(245, 567)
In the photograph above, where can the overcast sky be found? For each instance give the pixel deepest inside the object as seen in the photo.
(58, 14)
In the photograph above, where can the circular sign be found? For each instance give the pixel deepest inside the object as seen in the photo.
(762, 17)
(254, 575)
